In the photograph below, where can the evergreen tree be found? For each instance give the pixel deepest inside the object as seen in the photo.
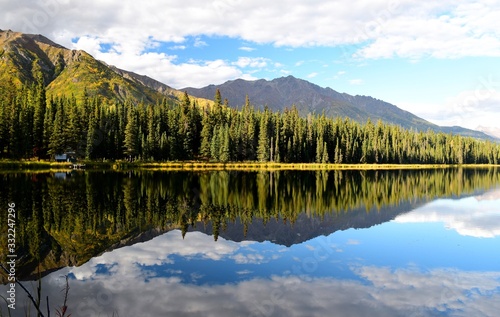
(325, 158)
(225, 144)
(132, 141)
(40, 105)
(263, 146)
(206, 135)
(215, 144)
(57, 143)
(91, 134)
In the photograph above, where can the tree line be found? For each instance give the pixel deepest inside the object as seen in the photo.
(33, 125)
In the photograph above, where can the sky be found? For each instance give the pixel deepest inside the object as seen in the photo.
(436, 59)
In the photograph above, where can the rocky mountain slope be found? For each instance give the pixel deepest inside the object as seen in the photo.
(27, 58)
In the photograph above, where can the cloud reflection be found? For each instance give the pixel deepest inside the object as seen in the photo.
(477, 216)
(126, 290)
(404, 292)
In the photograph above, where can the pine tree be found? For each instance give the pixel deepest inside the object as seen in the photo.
(132, 141)
(151, 146)
(263, 145)
(225, 144)
(57, 142)
(39, 117)
(249, 140)
(14, 134)
(206, 134)
(195, 126)
(91, 133)
(72, 128)
(319, 149)
(325, 158)
(215, 144)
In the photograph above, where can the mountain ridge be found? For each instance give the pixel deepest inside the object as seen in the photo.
(284, 92)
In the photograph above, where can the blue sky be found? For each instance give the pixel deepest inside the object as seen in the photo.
(438, 60)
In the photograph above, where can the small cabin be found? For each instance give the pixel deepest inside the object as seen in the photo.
(65, 157)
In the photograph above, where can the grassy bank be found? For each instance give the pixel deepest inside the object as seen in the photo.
(32, 165)
(199, 166)
(281, 166)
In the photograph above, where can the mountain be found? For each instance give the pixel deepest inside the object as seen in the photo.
(159, 87)
(26, 57)
(494, 132)
(284, 92)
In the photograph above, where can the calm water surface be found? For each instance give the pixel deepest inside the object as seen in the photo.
(339, 243)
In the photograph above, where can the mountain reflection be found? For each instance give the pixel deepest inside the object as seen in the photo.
(65, 219)
(158, 278)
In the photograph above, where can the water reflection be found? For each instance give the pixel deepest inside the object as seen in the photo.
(199, 277)
(287, 244)
(67, 220)
(477, 216)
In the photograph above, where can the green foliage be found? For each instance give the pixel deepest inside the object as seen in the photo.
(132, 134)
(31, 128)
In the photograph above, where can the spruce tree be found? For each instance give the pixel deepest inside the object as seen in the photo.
(38, 119)
(215, 144)
(263, 145)
(325, 158)
(206, 135)
(225, 144)
(91, 133)
(57, 142)
(131, 143)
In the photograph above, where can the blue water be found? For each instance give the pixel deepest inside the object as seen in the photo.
(440, 259)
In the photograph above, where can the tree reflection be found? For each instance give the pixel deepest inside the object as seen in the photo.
(67, 220)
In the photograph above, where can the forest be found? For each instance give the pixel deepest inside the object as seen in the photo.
(36, 126)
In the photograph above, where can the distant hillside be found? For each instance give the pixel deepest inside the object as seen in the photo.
(24, 57)
(284, 92)
(160, 87)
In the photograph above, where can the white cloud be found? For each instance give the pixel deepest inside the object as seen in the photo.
(353, 242)
(366, 29)
(312, 75)
(468, 109)
(164, 68)
(246, 48)
(254, 62)
(473, 216)
(493, 131)
(178, 47)
(444, 29)
(356, 81)
(199, 43)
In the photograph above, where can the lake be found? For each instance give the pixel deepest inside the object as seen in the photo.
(288, 243)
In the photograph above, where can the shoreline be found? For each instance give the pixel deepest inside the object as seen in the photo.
(27, 166)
